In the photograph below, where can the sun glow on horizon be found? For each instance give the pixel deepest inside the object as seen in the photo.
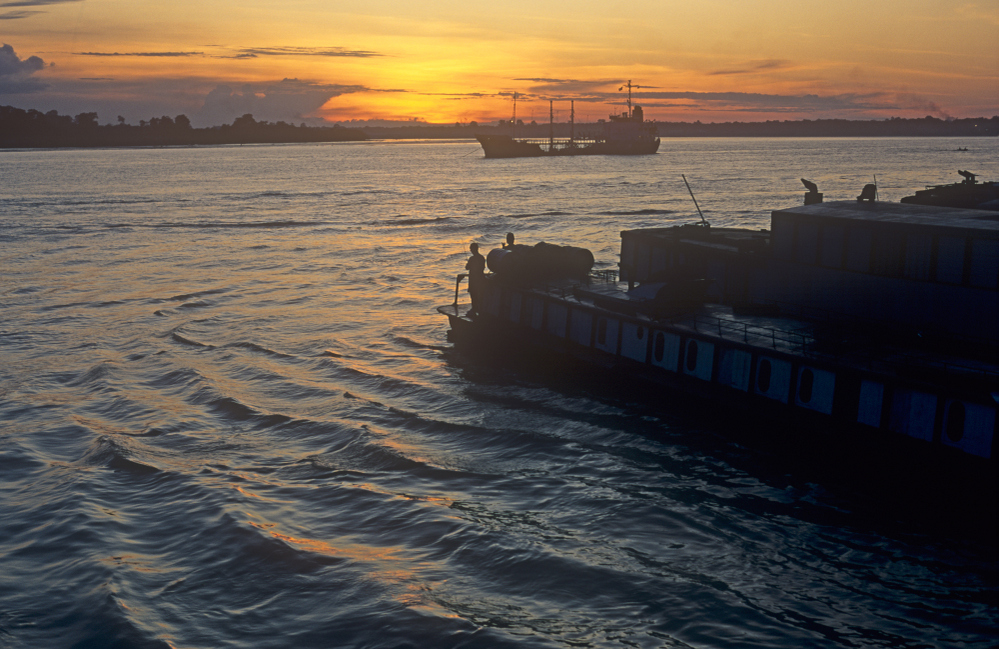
(461, 62)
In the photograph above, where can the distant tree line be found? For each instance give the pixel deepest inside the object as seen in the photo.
(34, 129)
(892, 127)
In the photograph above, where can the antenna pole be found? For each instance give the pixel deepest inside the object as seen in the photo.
(629, 86)
(572, 120)
(876, 188)
(695, 200)
(551, 126)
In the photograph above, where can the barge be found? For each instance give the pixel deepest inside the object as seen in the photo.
(881, 318)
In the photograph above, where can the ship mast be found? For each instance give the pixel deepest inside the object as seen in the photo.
(572, 121)
(551, 126)
(629, 87)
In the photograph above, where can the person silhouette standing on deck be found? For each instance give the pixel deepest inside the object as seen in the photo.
(476, 267)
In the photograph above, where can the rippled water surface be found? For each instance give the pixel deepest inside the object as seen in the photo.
(230, 417)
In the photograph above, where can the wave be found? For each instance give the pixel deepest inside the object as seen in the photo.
(257, 348)
(427, 221)
(95, 374)
(212, 225)
(280, 193)
(183, 297)
(409, 342)
(187, 341)
(107, 452)
(367, 192)
(642, 212)
(98, 201)
(231, 409)
(178, 377)
(199, 225)
(67, 305)
(531, 215)
(364, 454)
(107, 429)
(194, 305)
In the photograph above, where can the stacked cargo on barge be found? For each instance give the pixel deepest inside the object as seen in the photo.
(873, 316)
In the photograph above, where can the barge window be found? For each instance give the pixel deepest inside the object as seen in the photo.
(858, 249)
(642, 270)
(887, 254)
(602, 331)
(954, 426)
(691, 355)
(805, 385)
(763, 375)
(950, 259)
(628, 261)
(782, 236)
(984, 263)
(807, 246)
(918, 255)
(658, 261)
(832, 246)
(660, 346)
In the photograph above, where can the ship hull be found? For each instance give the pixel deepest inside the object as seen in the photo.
(503, 146)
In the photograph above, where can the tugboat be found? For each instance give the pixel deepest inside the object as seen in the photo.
(625, 134)
(881, 318)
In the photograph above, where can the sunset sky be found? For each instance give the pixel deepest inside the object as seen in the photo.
(461, 60)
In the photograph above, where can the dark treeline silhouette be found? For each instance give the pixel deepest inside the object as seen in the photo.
(34, 129)
(892, 127)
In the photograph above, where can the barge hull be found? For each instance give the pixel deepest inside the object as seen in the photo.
(502, 146)
(716, 363)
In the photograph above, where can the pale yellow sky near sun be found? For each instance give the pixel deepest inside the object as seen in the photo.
(452, 60)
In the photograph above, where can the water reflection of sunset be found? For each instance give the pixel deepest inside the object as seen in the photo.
(344, 551)
(389, 565)
(232, 416)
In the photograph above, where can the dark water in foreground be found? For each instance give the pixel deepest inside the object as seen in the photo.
(231, 418)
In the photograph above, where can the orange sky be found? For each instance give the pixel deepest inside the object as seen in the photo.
(460, 60)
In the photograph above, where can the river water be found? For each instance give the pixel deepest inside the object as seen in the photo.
(230, 417)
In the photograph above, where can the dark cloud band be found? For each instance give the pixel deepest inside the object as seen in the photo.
(152, 54)
(17, 15)
(305, 51)
(755, 66)
(35, 3)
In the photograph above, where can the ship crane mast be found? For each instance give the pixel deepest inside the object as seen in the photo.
(629, 87)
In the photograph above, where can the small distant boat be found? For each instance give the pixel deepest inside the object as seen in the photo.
(624, 134)
(961, 148)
